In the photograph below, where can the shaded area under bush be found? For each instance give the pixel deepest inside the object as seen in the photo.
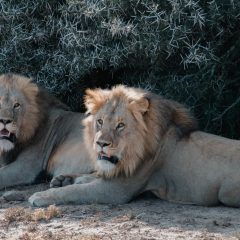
(186, 50)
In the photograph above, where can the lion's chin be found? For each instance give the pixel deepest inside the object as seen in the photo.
(105, 166)
(6, 145)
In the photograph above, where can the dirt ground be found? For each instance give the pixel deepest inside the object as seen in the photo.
(145, 218)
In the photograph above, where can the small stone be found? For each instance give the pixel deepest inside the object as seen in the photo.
(14, 195)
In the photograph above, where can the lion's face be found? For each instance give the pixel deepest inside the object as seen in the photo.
(113, 134)
(18, 110)
(115, 130)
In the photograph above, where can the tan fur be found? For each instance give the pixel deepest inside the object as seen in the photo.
(48, 137)
(158, 148)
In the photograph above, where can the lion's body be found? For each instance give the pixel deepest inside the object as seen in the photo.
(55, 145)
(202, 169)
(171, 158)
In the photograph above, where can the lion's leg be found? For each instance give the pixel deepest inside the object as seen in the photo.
(115, 191)
(64, 180)
(86, 178)
(229, 194)
(22, 171)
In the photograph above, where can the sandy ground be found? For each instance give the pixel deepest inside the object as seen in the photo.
(145, 218)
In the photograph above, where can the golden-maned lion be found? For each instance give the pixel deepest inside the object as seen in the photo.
(37, 134)
(141, 141)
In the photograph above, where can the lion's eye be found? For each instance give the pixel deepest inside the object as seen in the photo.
(16, 105)
(100, 122)
(120, 126)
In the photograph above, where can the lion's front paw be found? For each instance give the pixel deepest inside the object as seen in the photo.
(39, 199)
(61, 181)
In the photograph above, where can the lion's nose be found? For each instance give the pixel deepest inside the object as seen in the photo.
(103, 144)
(5, 121)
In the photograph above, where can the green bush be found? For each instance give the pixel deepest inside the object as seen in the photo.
(187, 50)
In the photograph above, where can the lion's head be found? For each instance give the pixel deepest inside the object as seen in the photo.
(125, 126)
(21, 110)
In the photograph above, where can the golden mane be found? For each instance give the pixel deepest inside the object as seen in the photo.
(153, 115)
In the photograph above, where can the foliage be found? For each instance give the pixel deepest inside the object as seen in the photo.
(187, 50)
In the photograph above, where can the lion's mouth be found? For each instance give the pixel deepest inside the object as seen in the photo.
(111, 159)
(5, 134)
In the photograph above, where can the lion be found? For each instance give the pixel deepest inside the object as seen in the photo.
(142, 142)
(38, 134)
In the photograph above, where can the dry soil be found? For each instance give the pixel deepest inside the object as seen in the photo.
(143, 218)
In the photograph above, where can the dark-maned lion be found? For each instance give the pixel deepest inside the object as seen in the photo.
(37, 133)
(141, 141)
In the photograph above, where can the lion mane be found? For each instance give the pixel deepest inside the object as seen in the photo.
(152, 114)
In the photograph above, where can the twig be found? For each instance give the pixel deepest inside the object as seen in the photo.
(227, 109)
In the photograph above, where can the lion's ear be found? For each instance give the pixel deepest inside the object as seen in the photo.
(139, 105)
(94, 99)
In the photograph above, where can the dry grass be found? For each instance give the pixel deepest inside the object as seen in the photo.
(19, 214)
(46, 214)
